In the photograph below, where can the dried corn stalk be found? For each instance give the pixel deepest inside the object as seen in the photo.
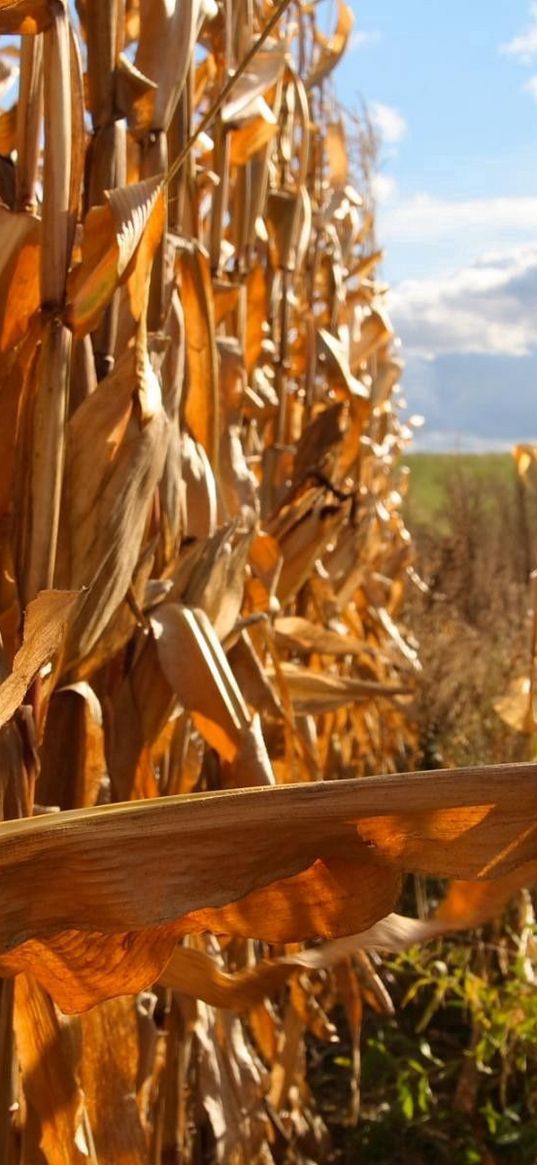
(202, 561)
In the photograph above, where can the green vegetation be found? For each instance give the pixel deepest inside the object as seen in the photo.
(475, 534)
(452, 1078)
(431, 473)
(452, 1075)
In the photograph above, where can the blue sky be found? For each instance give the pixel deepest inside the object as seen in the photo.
(452, 85)
(454, 88)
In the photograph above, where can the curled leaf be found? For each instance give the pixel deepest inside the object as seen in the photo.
(19, 271)
(111, 252)
(293, 862)
(316, 692)
(45, 625)
(332, 47)
(195, 665)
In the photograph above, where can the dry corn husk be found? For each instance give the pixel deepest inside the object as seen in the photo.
(202, 560)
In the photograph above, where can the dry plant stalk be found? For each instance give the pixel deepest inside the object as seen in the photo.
(203, 561)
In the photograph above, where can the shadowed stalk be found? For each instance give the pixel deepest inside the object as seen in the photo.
(52, 374)
(107, 155)
(29, 114)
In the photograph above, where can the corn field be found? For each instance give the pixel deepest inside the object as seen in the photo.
(203, 563)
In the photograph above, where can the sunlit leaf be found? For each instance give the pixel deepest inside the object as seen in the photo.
(46, 621)
(110, 247)
(462, 823)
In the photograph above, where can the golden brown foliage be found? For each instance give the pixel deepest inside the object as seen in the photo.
(203, 562)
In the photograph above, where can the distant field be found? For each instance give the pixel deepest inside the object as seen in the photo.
(426, 499)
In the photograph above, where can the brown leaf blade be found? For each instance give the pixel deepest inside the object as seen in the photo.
(293, 862)
(45, 626)
(111, 245)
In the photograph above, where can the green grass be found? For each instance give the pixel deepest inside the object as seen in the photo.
(426, 502)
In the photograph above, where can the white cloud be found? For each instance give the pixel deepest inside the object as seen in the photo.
(423, 218)
(531, 87)
(489, 307)
(426, 236)
(388, 121)
(363, 37)
(525, 46)
(384, 188)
